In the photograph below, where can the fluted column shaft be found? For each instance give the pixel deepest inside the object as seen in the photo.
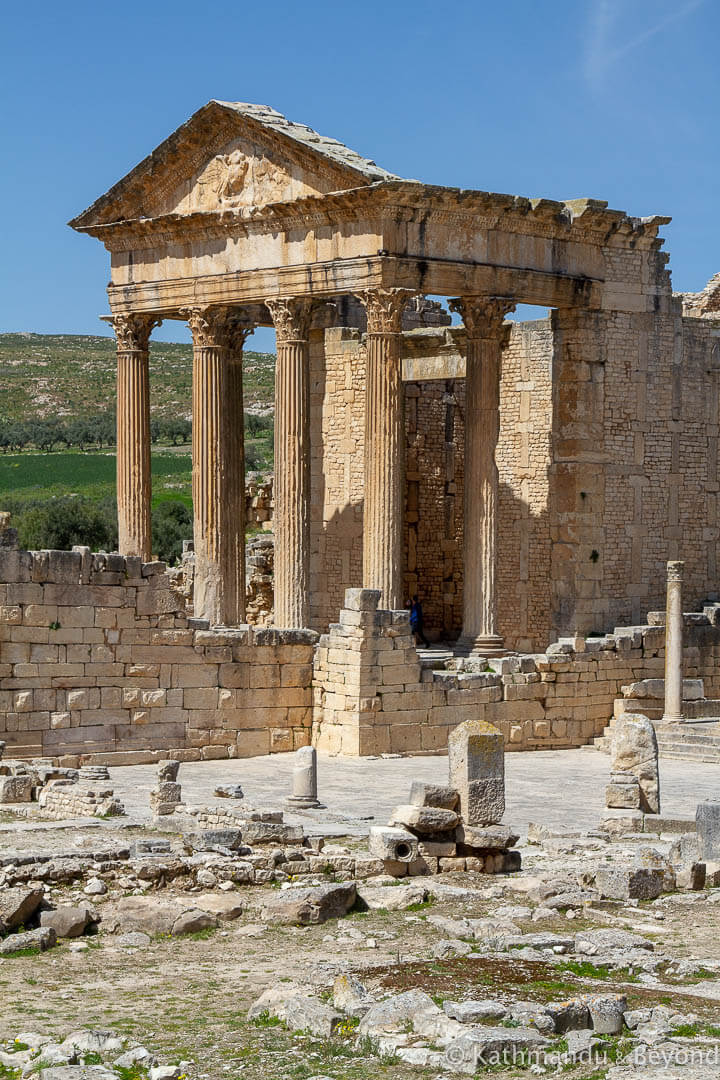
(383, 516)
(292, 462)
(483, 318)
(218, 474)
(674, 644)
(133, 434)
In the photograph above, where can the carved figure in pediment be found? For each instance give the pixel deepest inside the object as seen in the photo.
(233, 177)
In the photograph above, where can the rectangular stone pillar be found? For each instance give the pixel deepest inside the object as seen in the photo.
(218, 451)
(483, 318)
(292, 461)
(383, 514)
(133, 433)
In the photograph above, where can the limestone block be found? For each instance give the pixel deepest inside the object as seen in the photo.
(395, 845)
(707, 819)
(623, 796)
(634, 751)
(15, 789)
(424, 819)
(361, 599)
(477, 771)
(622, 883)
(422, 794)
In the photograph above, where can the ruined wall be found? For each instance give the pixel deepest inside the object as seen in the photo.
(98, 660)
(373, 695)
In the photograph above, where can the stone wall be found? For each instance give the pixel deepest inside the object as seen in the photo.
(373, 695)
(99, 661)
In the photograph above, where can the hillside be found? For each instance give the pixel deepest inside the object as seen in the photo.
(57, 375)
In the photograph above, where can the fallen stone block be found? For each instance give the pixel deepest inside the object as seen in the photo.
(396, 1013)
(17, 905)
(43, 938)
(297, 1010)
(474, 1012)
(69, 921)
(422, 794)
(691, 877)
(15, 789)
(351, 996)
(622, 883)
(707, 823)
(396, 845)
(390, 897)
(428, 820)
(607, 1013)
(489, 838)
(308, 907)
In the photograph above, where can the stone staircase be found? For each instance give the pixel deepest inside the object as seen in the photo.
(696, 739)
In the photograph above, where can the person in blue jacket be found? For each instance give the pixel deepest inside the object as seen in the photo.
(416, 621)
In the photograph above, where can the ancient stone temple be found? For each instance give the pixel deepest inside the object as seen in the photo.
(524, 479)
(528, 480)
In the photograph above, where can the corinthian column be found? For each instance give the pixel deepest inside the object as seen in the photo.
(292, 461)
(483, 318)
(383, 515)
(218, 475)
(133, 433)
(673, 712)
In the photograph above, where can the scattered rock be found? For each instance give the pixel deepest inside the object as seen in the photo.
(308, 907)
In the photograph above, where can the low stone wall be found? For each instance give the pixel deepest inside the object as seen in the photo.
(98, 661)
(372, 694)
(64, 799)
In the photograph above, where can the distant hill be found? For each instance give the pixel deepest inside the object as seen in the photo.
(57, 375)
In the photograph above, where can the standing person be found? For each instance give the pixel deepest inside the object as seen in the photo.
(416, 621)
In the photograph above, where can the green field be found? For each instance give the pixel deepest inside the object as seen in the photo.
(30, 477)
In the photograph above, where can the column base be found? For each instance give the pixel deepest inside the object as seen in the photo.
(482, 645)
(672, 719)
(297, 802)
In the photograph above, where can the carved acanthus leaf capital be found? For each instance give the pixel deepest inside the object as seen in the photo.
(219, 327)
(385, 308)
(482, 316)
(133, 331)
(291, 316)
(675, 570)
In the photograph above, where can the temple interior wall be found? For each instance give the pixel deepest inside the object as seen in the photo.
(607, 461)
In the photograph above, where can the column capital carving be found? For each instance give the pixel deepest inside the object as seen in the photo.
(675, 570)
(219, 327)
(385, 308)
(133, 331)
(482, 316)
(291, 316)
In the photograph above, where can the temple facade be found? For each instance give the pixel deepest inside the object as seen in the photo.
(527, 480)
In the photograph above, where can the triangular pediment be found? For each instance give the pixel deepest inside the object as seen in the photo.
(229, 155)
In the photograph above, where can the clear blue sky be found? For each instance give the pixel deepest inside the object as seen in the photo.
(615, 99)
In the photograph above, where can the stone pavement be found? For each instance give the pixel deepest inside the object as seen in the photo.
(560, 788)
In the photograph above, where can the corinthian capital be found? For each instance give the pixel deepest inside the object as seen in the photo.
(133, 331)
(385, 308)
(291, 316)
(222, 327)
(482, 316)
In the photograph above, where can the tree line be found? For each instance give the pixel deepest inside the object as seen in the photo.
(95, 432)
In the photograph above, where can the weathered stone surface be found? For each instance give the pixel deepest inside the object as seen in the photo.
(422, 794)
(707, 820)
(43, 938)
(427, 820)
(167, 771)
(17, 905)
(477, 771)
(156, 916)
(607, 1013)
(620, 883)
(591, 942)
(296, 1008)
(67, 921)
(307, 907)
(15, 789)
(414, 1007)
(397, 845)
(474, 1012)
(351, 996)
(391, 897)
(491, 837)
(634, 752)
